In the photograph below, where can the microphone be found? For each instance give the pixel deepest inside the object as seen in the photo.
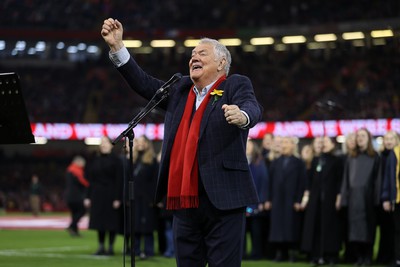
(165, 87)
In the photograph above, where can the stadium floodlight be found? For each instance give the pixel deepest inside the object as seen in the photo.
(92, 141)
(353, 35)
(60, 45)
(162, 43)
(294, 39)
(328, 37)
(191, 42)
(381, 33)
(262, 41)
(72, 49)
(132, 43)
(231, 41)
(20, 46)
(93, 49)
(40, 46)
(81, 46)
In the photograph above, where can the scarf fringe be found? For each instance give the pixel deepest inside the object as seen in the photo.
(182, 202)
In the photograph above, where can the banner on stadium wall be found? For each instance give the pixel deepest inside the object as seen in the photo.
(300, 129)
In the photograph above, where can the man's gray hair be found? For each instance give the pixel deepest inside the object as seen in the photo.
(220, 51)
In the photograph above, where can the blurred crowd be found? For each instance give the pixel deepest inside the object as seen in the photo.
(364, 81)
(153, 15)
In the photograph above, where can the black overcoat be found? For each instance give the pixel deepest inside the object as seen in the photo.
(326, 178)
(105, 174)
(145, 176)
(287, 184)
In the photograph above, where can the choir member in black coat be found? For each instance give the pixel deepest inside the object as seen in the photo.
(321, 232)
(145, 169)
(287, 185)
(105, 174)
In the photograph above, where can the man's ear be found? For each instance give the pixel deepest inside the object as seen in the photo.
(221, 64)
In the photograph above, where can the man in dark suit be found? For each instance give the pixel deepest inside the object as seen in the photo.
(203, 170)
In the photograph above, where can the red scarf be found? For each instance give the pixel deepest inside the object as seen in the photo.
(183, 170)
(77, 171)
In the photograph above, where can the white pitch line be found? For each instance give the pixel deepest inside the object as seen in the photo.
(66, 248)
(36, 252)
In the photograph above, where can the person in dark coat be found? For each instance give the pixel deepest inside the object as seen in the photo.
(75, 192)
(104, 195)
(348, 149)
(256, 217)
(321, 232)
(385, 219)
(360, 193)
(270, 151)
(287, 184)
(145, 169)
(390, 196)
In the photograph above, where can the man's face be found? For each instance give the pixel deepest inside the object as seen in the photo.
(203, 65)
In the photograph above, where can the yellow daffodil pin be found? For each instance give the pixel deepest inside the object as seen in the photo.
(217, 94)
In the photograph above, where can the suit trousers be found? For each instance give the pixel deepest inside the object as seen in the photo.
(207, 235)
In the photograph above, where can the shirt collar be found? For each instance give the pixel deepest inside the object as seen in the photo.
(203, 91)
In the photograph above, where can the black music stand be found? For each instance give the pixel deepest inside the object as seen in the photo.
(15, 127)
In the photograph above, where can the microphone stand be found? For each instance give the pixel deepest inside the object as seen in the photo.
(327, 108)
(162, 94)
(159, 96)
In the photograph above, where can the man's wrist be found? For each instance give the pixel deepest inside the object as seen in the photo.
(119, 57)
(247, 120)
(115, 48)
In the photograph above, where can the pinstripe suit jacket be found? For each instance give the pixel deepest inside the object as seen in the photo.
(222, 160)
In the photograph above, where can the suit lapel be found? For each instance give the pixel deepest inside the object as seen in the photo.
(210, 107)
